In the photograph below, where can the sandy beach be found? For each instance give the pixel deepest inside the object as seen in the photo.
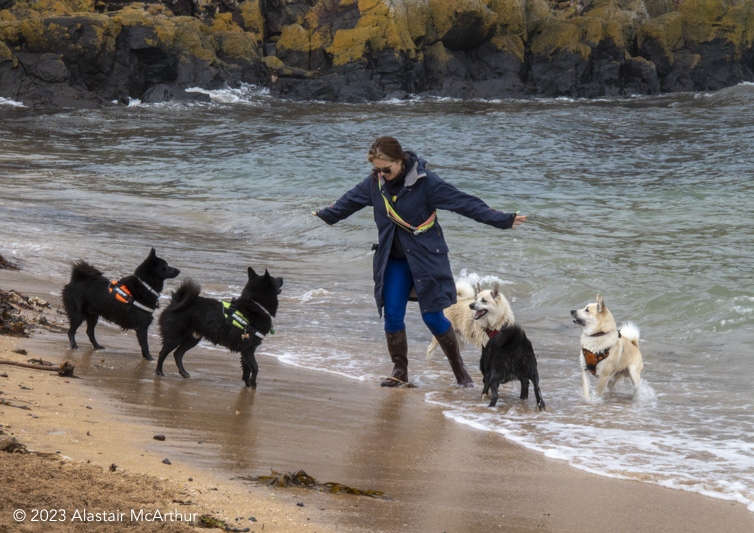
(439, 475)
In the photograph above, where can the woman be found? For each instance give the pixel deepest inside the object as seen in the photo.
(412, 253)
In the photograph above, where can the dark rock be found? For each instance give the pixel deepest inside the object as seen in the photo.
(167, 462)
(282, 13)
(159, 437)
(181, 8)
(641, 77)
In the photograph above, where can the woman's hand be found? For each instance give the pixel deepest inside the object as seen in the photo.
(315, 213)
(520, 219)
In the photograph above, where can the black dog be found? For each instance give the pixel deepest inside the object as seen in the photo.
(128, 303)
(239, 326)
(509, 355)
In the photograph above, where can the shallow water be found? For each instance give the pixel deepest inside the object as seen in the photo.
(645, 200)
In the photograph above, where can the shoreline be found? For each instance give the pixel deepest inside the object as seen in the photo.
(441, 475)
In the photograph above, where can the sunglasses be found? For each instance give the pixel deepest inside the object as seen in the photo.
(385, 170)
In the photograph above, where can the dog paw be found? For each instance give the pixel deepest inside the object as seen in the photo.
(185, 375)
(159, 373)
(99, 347)
(148, 357)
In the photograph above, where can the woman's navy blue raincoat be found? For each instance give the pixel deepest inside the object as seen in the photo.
(427, 254)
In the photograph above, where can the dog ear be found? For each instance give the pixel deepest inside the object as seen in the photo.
(496, 290)
(600, 303)
(478, 287)
(252, 274)
(152, 254)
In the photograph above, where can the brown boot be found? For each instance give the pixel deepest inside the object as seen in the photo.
(449, 344)
(397, 347)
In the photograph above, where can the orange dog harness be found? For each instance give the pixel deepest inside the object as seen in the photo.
(592, 359)
(122, 294)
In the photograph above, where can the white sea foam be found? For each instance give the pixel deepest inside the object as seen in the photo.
(9, 102)
(313, 294)
(245, 94)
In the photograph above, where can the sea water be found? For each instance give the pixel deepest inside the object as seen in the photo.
(645, 200)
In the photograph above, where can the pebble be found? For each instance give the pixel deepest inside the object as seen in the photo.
(167, 461)
(88, 407)
(113, 467)
(159, 437)
(252, 519)
(300, 504)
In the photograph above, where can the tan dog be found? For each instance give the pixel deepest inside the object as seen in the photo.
(606, 352)
(476, 318)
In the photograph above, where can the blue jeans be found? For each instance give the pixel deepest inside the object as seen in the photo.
(397, 287)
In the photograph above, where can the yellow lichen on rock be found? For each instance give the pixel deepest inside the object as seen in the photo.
(462, 23)
(708, 20)
(382, 25)
(191, 40)
(7, 55)
(391, 17)
(511, 16)
(235, 45)
(438, 54)
(559, 36)
(253, 20)
(350, 45)
(7, 16)
(614, 33)
(630, 14)
(418, 20)
(294, 38)
(667, 30)
(224, 22)
(511, 44)
(593, 29)
(52, 8)
(81, 6)
(273, 62)
(45, 35)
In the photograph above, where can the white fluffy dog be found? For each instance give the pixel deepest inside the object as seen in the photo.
(476, 318)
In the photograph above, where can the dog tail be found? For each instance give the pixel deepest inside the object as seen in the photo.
(184, 296)
(630, 332)
(83, 271)
(464, 290)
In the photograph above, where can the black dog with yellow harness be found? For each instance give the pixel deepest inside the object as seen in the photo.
(240, 325)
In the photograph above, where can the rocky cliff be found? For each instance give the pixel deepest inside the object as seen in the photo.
(81, 53)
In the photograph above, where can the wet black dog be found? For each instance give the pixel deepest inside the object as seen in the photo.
(128, 303)
(508, 356)
(239, 326)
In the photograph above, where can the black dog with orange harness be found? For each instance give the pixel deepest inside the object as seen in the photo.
(128, 303)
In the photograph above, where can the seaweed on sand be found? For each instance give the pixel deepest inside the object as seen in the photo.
(302, 479)
(7, 265)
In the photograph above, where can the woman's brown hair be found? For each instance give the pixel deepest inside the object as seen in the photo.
(387, 148)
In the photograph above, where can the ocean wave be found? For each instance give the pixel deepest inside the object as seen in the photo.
(245, 94)
(678, 461)
(9, 102)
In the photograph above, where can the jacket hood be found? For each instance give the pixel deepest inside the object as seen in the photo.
(416, 169)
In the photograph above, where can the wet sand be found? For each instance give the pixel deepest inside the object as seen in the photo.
(440, 475)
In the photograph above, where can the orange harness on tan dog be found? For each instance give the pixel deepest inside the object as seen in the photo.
(593, 359)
